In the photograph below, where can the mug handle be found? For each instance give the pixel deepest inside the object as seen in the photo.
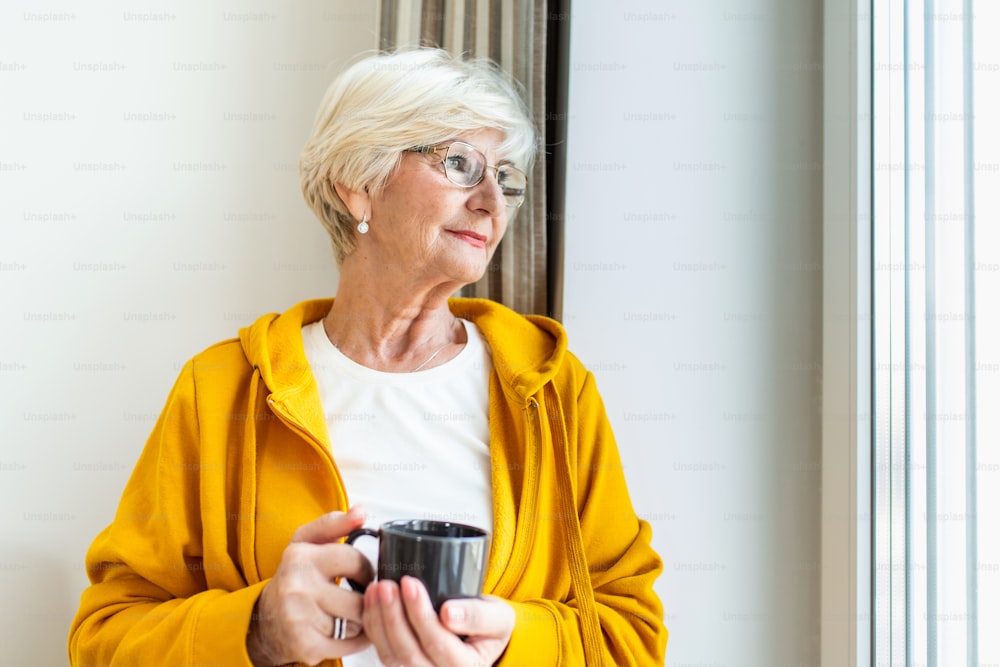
(355, 534)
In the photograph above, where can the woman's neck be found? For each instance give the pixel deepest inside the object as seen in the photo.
(393, 327)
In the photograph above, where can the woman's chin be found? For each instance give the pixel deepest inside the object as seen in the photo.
(468, 272)
(470, 278)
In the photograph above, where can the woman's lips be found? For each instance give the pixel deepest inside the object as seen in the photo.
(469, 236)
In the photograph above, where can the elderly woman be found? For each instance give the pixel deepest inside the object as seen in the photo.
(391, 401)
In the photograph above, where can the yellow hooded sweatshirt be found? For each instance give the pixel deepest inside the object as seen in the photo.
(240, 458)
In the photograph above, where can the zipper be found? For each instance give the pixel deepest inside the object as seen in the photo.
(527, 510)
(293, 425)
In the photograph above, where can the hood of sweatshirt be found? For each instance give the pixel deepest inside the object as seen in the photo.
(532, 351)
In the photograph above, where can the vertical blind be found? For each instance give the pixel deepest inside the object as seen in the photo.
(936, 486)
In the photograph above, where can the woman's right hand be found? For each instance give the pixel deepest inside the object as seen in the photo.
(296, 608)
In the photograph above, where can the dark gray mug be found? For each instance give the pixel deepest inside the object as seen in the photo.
(449, 558)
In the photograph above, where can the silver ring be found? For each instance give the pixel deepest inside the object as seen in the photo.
(339, 628)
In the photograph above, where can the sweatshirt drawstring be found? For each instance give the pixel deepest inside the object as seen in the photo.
(579, 571)
(247, 517)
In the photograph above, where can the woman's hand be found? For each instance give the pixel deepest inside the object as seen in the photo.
(401, 623)
(297, 606)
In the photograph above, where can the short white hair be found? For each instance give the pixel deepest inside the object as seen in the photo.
(386, 103)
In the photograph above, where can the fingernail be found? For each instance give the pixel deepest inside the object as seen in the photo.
(409, 587)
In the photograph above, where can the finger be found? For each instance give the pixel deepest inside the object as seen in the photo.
(374, 626)
(342, 603)
(478, 617)
(308, 568)
(334, 602)
(330, 527)
(348, 629)
(341, 560)
(440, 645)
(403, 643)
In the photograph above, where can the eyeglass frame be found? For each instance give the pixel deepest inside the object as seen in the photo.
(495, 167)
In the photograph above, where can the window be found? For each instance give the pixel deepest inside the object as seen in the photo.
(935, 333)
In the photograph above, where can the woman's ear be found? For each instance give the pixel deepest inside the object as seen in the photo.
(358, 202)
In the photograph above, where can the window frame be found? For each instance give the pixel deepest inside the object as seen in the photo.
(846, 547)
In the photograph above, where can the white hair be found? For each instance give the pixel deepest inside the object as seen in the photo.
(386, 103)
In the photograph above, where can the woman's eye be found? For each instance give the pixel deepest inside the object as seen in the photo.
(459, 163)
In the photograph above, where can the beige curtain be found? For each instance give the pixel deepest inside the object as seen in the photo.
(513, 34)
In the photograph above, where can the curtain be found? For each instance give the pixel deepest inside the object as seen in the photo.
(936, 497)
(526, 270)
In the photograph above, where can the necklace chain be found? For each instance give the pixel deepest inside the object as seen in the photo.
(428, 360)
(425, 362)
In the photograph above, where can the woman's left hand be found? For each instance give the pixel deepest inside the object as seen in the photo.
(400, 621)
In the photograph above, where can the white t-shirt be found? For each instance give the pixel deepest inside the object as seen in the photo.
(408, 445)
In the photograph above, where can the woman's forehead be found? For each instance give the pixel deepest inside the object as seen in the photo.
(487, 140)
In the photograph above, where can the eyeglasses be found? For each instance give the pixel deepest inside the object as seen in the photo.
(466, 166)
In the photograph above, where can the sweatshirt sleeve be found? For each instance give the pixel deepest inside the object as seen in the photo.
(149, 601)
(622, 563)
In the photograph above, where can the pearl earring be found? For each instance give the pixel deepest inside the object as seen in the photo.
(363, 225)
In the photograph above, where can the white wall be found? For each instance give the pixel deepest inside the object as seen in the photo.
(693, 278)
(150, 207)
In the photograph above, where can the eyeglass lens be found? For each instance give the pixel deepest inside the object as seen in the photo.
(465, 165)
